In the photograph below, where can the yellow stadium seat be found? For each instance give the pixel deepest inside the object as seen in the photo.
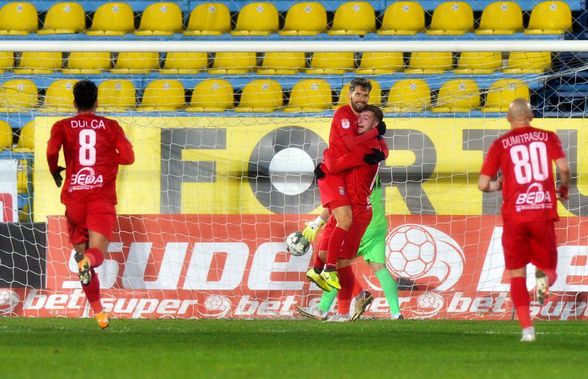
(409, 95)
(116, 95)
(261, 95)
(5, 135)
(18, 95)
(502, 92)
(422, 62)
(276, 63)
(184, 63)
(354, 18)
(18, 18)
(26, 139)
(112, 19)
(473, 63)
(452, 18)
(6, 61)
(163, 95)
(310, 95)
(305, 19)
(331, 63)
(136, 63)
(458, 95)
(375, 97)
(374, 63)
(22, 175)
(403, 18)
(160, 19)
(90, 63)
(43, 62)
(233, 63)
(59, 96)
(64, 18)
(209, 19)
(257, 19)
(212, 95)
(502, 17)
(550, 17)
(528, 62)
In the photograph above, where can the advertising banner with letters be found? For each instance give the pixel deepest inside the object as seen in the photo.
(264, 165)
(235, 266)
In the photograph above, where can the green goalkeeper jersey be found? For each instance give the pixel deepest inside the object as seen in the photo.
(373, 243)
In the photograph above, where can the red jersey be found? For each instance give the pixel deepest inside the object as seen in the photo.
(359, 176)
(93, 147)
(343, 135)
(525, 155)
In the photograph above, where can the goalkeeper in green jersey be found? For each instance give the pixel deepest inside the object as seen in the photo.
(373, 250)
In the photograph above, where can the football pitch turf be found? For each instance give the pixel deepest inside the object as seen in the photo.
(76, 348)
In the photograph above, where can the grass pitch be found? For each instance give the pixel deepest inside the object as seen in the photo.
(72, 348)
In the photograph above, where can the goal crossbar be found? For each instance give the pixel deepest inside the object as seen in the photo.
(294, 46)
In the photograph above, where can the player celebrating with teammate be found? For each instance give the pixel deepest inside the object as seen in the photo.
(529, 208)
(373, 242)
(343, 138)
(93, 147)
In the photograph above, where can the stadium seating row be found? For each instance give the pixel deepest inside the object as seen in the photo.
(275, 63)
(302, 19)
(259, 95)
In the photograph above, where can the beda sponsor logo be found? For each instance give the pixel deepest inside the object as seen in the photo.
(535, 197)
(86, 177)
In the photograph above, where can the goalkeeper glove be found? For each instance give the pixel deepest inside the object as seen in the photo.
(381, 128)
(374, 158)
(312, 229)
(57, 176)
(318, 172)
(562, 191)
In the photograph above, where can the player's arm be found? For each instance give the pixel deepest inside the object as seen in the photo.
(313, 227)
(53, 147)
(489, 171)
(486, 184)
(352, 142)
(563, 167)
(564, 177)
(343, 163)
(126, 155)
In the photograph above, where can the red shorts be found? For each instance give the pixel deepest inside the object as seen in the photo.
(98, 216)
(333, 192)
(529, 242)
(361, 219)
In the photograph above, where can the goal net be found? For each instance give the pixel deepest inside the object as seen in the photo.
(225, 153)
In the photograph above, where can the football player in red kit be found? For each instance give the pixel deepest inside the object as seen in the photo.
(524, 155)
(343, 139)
(93, 147)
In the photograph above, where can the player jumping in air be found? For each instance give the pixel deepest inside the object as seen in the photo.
(524, 155)
(93, 147)
(343, 138)
(373, 242)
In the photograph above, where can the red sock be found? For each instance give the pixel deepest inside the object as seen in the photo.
(335, 244)
(318, 262)
(347, 280)
(95, 256)
(92, 291)
(520, 299)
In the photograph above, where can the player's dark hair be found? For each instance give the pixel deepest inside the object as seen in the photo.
(85, 95)
(375, 110)
(361, 82)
